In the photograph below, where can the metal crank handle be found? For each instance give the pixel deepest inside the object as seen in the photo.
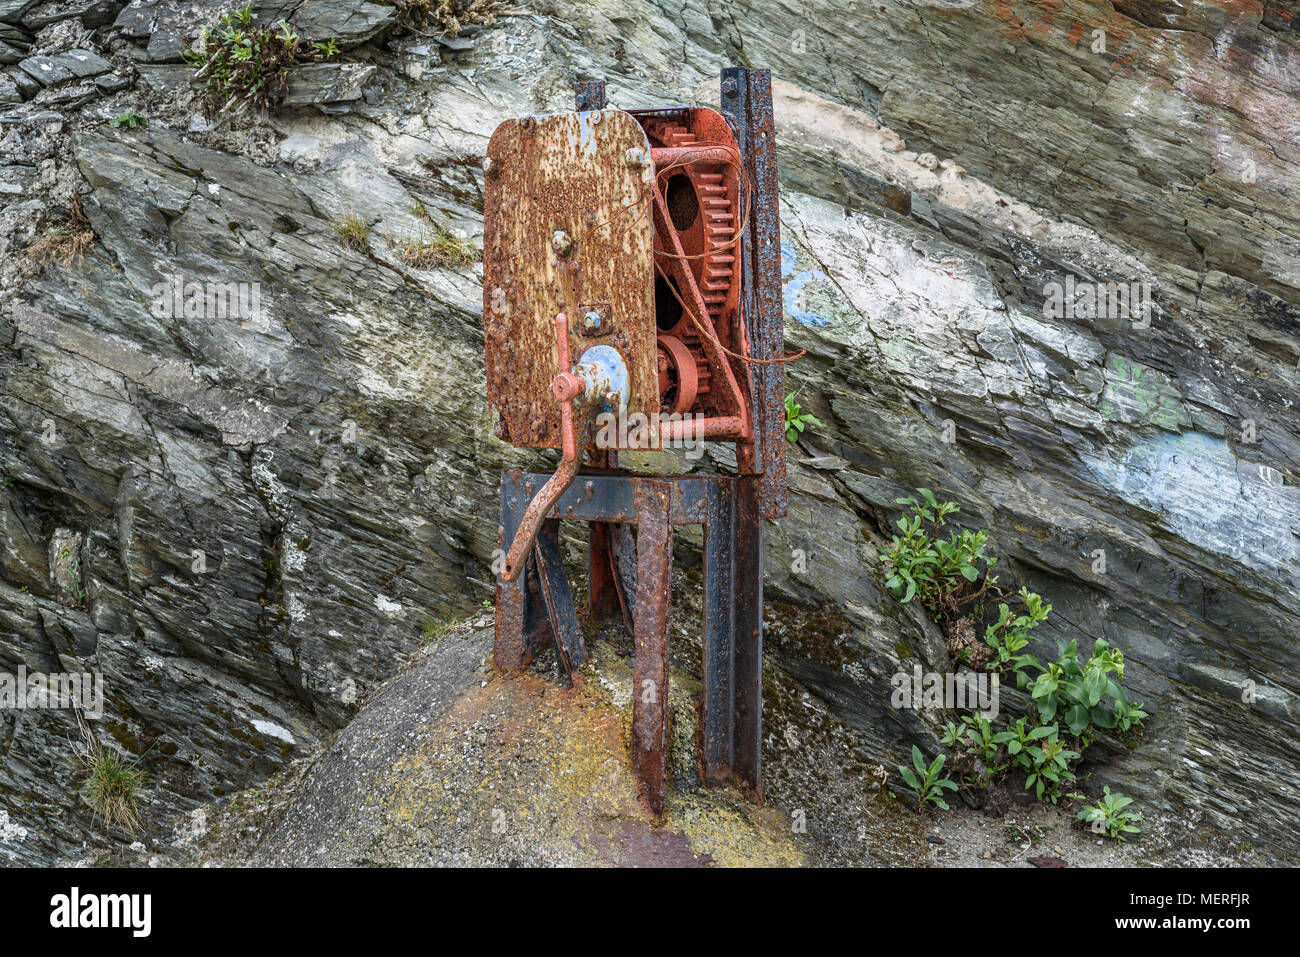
(565, 387)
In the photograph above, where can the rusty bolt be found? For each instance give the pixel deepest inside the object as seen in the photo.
(636, 158)
(591, 324)
(729, 87)
(490, 167)
(562, 243)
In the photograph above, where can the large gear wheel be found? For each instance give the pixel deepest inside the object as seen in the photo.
(704, 215)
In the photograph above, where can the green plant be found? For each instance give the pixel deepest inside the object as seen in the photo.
(1108, 815)
(72, 571)
(1047, 764)
(1128, 716)
(112, 784)
(944, 573)
(352, 231)
(925, 781)
(1076, 690)
(796, 419)
(129, 118)
(1079, 695)
(247, 66)
(1010, 633)
(435, 629)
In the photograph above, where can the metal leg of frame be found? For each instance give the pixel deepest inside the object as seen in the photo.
(654, 546)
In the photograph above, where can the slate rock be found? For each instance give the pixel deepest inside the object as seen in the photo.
(92, 13)
(326, 83)
(11, 11)
(348, 21)
(60, 67)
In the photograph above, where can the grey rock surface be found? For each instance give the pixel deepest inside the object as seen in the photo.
(328, 452)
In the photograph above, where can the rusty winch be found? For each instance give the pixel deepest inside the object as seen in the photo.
(631, 301)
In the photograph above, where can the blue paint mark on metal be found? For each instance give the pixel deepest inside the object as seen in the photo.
(587, 123)
(605, 374)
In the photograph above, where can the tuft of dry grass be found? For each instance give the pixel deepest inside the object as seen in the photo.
(352, 232)
(66, 243)
(112, 784)
(435, 246)
(449, 17)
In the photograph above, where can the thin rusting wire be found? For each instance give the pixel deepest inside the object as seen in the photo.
(643, 203)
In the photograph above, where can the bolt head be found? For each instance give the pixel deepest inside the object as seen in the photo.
(562, 243)
(591, 324)
(490, 167)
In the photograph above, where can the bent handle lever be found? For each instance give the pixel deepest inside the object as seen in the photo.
(565, 387)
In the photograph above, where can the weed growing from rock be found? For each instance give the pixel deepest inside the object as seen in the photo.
(1073, 697)
(449, 17)
(435, 246)
(352, 232)
(246, 66)
(113, 783)
(128, 118)
(66, 243)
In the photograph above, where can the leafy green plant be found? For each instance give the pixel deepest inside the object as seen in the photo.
(245, 66)
(1109, 816)
(796, 419)
(944, 573)
(1009, 635)
(1047, 765)
(925, 781)
(1128, 716)
(128, 118)
(1076, 689)
(1073, 696)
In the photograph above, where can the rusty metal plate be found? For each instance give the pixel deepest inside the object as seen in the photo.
(570, 173)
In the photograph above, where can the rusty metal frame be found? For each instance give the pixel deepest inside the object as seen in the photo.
(633, 574)
(528, 615)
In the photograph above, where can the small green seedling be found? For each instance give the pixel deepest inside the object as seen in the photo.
(925, 782)
(796, 419)
(128, 118)
(1108, 816)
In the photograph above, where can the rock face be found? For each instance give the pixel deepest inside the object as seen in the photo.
(268, 460)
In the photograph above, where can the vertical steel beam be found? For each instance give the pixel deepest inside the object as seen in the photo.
(747, 105)
(602, 598)
(510, 651)
(717, 695)
(589, 95)
(654, 546)
(748, 712)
